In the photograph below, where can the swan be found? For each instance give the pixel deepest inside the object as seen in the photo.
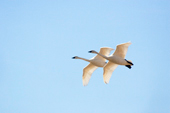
(95, 62)
(117, 58)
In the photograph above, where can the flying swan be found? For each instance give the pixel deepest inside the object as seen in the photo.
(95, 62)
(117, 58)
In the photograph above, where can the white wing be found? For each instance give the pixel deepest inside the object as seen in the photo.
(104, 51)
(87, 71)
(108, 70)
(121, 49)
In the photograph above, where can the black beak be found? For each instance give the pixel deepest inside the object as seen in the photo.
(90, 51)
(73, 57)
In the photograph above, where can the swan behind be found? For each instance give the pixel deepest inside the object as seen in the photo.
(95, 62)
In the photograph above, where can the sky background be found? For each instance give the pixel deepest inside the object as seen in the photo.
(39, 38)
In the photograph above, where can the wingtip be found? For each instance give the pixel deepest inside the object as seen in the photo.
(85, 85)
(130, 42)
(106, 82)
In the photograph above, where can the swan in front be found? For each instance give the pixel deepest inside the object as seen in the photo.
(95, 62)
(117, 58)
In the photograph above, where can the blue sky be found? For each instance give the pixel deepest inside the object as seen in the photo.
(39, 38)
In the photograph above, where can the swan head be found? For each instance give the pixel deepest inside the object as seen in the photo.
(92, 51)
(75, 57)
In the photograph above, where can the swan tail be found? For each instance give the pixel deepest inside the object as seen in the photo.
(129, 61)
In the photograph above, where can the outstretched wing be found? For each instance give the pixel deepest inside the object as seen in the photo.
(104, 51)
(108, 70)
(87, 71)
(121, 49)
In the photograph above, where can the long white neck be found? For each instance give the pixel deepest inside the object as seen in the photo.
(83, 59)
(102, 55)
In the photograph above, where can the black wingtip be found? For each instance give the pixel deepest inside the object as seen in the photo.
(89, 51)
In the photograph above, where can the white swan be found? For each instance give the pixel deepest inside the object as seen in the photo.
(117, 58)
(95, 62)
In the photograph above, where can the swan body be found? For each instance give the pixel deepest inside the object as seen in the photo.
(95, 62)
(117, 58)
(98, 62)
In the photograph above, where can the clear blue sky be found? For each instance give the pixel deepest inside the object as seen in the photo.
(39, 38)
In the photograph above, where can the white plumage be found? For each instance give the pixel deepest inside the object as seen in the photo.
(95, 62)
(117, 58)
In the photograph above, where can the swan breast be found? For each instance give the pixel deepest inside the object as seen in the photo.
(98, 62)
(118, 60)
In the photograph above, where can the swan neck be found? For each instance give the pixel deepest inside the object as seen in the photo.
(102, 55)
(84, 59)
